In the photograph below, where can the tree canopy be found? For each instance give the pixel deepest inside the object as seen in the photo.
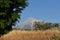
(9, 13)
(44, 26)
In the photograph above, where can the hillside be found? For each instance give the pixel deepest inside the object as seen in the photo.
(28, 24)
(31, 35)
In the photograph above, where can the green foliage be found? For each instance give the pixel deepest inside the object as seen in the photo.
(38, 25)
(9, 13)
(44, 26)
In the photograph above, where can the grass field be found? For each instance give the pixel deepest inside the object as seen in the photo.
(31, 35)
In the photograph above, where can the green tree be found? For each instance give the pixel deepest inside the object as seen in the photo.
(56, 24)
(38, 25)
(44, 26)
(47, 25)
(9, 13)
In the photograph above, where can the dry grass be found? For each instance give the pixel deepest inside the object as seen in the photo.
(30, 35)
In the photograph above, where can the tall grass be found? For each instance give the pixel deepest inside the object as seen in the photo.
(31, 35)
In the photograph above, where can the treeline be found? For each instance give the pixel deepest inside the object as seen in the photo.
(44, 26)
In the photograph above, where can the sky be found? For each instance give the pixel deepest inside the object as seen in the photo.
(46, 10)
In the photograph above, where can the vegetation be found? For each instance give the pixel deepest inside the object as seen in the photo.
(9, 13)
(32, 35)
(56, 37)
(44, 26)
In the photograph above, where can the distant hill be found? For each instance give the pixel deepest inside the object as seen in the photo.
(28, 24)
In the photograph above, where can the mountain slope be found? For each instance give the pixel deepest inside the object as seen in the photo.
(28, 24)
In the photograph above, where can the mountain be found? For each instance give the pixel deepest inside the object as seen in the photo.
(28, 24)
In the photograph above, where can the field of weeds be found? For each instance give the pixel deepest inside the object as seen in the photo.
(32, 35)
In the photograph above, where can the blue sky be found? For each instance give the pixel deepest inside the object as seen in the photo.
(47, 10)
